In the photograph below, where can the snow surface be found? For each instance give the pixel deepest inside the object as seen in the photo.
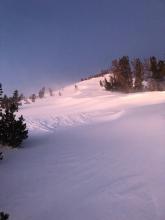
(91, 155)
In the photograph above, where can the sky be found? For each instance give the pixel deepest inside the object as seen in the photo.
(56, 42)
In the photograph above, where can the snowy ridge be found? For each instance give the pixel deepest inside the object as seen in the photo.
(89, 103)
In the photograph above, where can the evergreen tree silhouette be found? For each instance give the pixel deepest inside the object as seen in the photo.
(33, 97)
(4, 216)
(161, 69)
(12, 130)
(50, 92)
(42, 93)
(153, 67)
(139, 74)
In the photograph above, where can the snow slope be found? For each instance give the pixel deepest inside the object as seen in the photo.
(89, 104)
(91, 155)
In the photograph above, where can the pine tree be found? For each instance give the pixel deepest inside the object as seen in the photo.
(16, 99)
(161, 69)
(42, 93)
(153, 67)
(147, 68)
(4, 216)
(33, 97)
(16, 96)
(139, 74)
(125, 74)
(50, 92)
(117, 78)
(12, 130)
(122, 75)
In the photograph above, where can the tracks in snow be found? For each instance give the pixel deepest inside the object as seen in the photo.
(52, 122)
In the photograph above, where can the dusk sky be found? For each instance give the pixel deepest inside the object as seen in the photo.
(55, 42)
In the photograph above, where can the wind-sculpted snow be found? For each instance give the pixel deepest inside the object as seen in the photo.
(91, 155)
(89, 103)
(51, 123)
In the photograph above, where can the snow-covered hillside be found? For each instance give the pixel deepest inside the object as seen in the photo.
(92, 155)
(88, 103)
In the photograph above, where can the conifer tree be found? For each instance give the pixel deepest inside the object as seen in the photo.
(161, 69)
(5, 101)
(139, 74)
(12, 130)
(8, 101)
(50, 92)
(42, 93)
(115, 67)
(33, 97)
(15, 96)
(125, 74)
(147, 68)
(153, 67)
(122, 75)
(4, 216)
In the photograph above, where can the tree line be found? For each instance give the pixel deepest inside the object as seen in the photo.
(129, 76)
(40, 95)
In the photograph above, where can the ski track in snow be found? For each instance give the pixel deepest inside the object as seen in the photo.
(53, 122)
